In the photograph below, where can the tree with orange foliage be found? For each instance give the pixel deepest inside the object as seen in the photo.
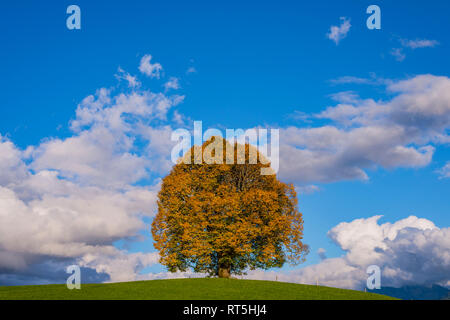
(224, 218)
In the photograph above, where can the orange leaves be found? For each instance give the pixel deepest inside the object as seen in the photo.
(216, 215)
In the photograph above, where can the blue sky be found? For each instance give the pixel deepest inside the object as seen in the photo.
(258, 63)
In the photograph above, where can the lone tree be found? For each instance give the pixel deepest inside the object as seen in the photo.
(223, 219)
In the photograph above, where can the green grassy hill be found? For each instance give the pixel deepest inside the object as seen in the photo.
(187, 289)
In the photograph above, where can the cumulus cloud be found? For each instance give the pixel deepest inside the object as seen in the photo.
(307, 189)
(409, 251)
(131, 80)
(152, 70)
(46, 217)
(68, 200)
(337, 33)
(102, 152)
(363, 134)
(120, 266)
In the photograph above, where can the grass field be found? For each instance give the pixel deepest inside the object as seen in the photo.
(187, 289)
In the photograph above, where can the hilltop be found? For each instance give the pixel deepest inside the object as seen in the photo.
(187, 289)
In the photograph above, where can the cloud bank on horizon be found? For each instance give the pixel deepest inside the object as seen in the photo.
(409, 251)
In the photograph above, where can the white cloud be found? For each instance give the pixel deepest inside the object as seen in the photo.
(444, 172)
(337, 33)
(121, 266)
(68, 221)
(173, 83)
(93, 157)
(398, 54)
(366, 134)
(307, 189)
(149, 69)
(178, 118)
(103, 151)
(329, 154)
(159, 147)
(419, 43)
(132, 80)
(372, 80)
(12, 168)
(191, 70)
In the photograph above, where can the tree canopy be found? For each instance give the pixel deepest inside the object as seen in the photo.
(226, 218)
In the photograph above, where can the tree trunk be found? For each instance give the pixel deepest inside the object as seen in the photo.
(224, 271)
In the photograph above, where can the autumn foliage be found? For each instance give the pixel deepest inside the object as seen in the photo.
(224, 219)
